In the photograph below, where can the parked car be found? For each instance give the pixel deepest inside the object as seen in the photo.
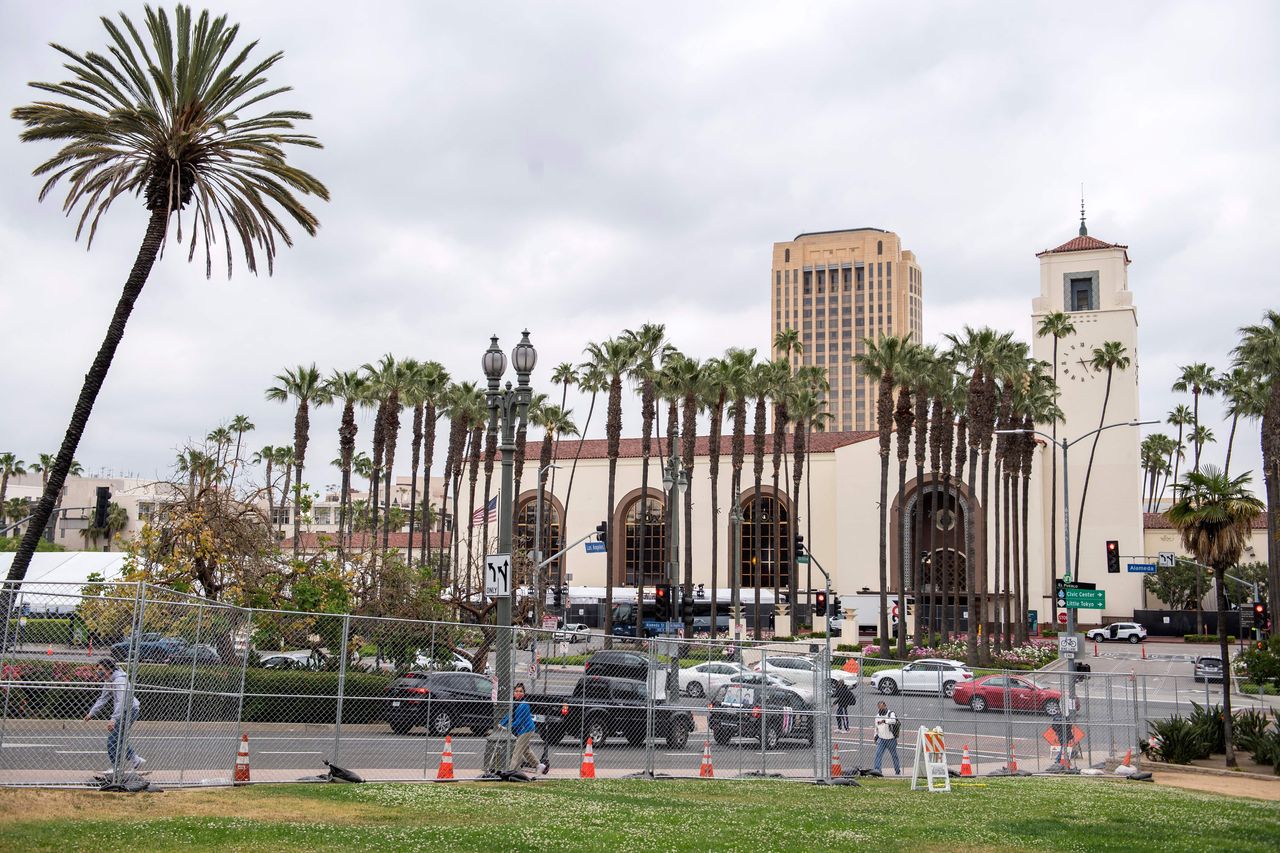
(778, 682)
(1130, 631)
(441, 701)
(200, 653)
(1208, 668)
(455, 663)
(158, 649)
(927, 675)
(600, 708)
(573, 632)
(621, 663)
(762, 713)
(296, 659)
(800, 670)
(282, 662)
(706, 678)
(989, 692)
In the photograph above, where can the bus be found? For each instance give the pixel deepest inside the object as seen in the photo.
(624, 612)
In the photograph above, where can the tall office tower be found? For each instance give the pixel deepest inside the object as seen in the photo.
(837, 288)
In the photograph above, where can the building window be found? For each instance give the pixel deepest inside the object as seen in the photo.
(1082, 295)
(879, 247)
(777, 278)
(526, 521)
(808, 281)
(766, 543)
(652, 551)
(786, 256)
(280, 516)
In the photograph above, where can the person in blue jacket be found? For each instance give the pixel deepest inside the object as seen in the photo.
(520, 723)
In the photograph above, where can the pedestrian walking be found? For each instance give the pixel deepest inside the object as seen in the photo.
(887, 727)
(115, 687)
(844, 698)
(520, 723)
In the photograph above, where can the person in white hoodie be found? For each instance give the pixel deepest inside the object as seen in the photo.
(115, 687)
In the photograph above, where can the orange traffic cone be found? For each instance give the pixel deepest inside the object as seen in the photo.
(706, 771)
(1095, 648)
(1128, 757)
(50, 652)
(836, 770)
(1144, 650)
(588, 769)
(1013, 759)
(966, 769)
(242, 761)
(445, 770)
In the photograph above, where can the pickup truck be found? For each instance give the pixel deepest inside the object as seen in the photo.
(601, 708)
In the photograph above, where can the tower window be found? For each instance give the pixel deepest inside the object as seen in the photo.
(1082, 292)
(879, 247)
(786, 256)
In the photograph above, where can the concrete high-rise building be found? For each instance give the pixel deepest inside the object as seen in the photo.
(837, 288)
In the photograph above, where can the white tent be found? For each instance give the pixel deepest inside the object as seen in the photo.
(71, 567)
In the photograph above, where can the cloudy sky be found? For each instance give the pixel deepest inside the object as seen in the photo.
(581, 168)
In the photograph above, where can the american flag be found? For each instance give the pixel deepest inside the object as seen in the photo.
(489, 510)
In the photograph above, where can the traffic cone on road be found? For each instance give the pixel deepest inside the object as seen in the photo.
(1128, 757)
(966, 769)
(445, 770)
(1095, 648)
(706, 771)
(50, 652)
(836, 770)
(588, 769)
(1013, 759)
(1144, 650)
(242, 761)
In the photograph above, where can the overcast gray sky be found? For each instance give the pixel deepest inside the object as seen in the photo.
(581, 168)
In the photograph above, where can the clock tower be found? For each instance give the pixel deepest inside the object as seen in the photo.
(1088, 280)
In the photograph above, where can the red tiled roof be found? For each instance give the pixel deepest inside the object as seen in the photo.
(1160, 521)
(629, 448)
(1084, 243)
(314, 540)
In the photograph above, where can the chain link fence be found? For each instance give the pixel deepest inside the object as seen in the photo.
(396, 699)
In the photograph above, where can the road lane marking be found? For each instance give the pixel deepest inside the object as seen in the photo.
(78, 751)
(23, 745)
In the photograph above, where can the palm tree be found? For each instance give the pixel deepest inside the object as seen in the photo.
(1246, 397)
(388, 380)
(590, 380)
(350, 388)
(431, 385)
(267, 456)
(1111, 356)
(736, 373)
(220, 438)
(1259, 353)
(688, 380)
(880, 361)
(10, 466)
(1214, 516)
(44, 466)
(761, 389)
(168, 121)
(806, 410)
(925, 377)
(16, 509)
(240, 424)
(305, 387)
(907, 376)
(1199, 379)
(564, 375)
(1181, 417)
(1059, 325)
(612, 359)
(1153, 454)
(714, 395)
(555, 421)
(1039, 405)
(647, 344)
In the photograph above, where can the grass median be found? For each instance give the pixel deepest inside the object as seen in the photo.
(986, 814)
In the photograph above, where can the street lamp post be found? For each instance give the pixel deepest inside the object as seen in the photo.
(735, 591)
(508, 410)
(673, 479)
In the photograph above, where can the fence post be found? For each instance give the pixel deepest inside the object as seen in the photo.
(649, 698)
(191, 684)
(126, 714)
(342, 686)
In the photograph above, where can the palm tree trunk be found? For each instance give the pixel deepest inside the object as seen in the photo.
(1084, 492)
(415, 455)
(1010, 537)
(568, 495)
(1001, 554)
(1195, 420)
(884, 554)
(428, 451)
(1219, 573)
(971, 577)
(1231, 439)
(917, 563)
(271, 499)
(1025, 574)
(902, 564)
(984, 648)
(1053, 494)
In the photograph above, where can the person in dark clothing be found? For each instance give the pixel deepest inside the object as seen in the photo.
(844, 698)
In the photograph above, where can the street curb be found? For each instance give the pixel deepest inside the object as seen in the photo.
(1154, 766)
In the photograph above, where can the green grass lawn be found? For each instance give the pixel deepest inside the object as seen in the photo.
(988, 814)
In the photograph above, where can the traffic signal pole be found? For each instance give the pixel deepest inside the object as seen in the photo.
(825, 672)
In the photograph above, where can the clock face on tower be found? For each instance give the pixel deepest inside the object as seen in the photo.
(1073, 363)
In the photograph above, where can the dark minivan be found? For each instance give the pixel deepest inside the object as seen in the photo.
(621, 663)
(441, 701)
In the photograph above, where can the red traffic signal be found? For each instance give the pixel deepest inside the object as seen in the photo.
(1113, 556)
(820, 604)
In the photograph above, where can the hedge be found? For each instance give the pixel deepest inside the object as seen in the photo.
(271, 696)
(1205, 638)
(40, 631)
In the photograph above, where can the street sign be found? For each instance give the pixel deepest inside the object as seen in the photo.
(1068, 644)
(497, 575)
(595, 547)
(1167, 559)
(1062, 618)
(1089, 599)
(802, 559)
(1143, 568)
(548, 621)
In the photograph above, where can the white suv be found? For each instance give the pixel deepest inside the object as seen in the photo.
(800, 670)
(927, 675)
(1131, 631)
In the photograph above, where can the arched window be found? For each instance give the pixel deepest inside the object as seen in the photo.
(552, 533)
(766, 543)
(879, 247)
(652, 551)
(786, 256)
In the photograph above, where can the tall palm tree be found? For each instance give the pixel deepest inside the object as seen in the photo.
(880, 361)
(648, 343)
(925, 377)
(688, 381)
(907, 375)
(736, 373)
(1214, 516)
(761, 390)
(564, 375)
(590, 380)
(240, 424)
(1153, 454)
(714, 395)
(304, 386)
(166, 118)
(1040, 405)
(267, 457)
(1012, 373)
(1199, 379)
(1111, 356)
(388, 380)
(44, 467)
(10, 466)
(1057, 324)
(433, 384)
(348, 387)
(413, 397)
(781, 388)
(806, 408)
(1259, 353)
(1181, 417)
(220, 438)
(1246, 397)
(612, 358)
(554, 421)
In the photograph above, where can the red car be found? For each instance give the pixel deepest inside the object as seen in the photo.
(1023, 694)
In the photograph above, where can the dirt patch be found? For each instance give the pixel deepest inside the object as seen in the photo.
(21, 805)
(1213, 783)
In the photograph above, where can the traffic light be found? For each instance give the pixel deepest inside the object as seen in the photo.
(557, 597)
(662, 601)
(701, 592)
(820, 604)
(835, 605)
(602, 532)
(100, 508)
(1113, 556)
(1261, 617)
(800, 552)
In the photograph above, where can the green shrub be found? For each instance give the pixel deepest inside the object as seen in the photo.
(39, 632)
(849, 647)
(1205, 638)
(1177, 741)
(1048, 632)
(1259, 689)
(1266, 749)
(1210, 723)
(1248, 726)
(1263, 665)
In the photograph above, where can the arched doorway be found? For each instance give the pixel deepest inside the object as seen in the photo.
(766, 542)
(648, 553)
(552, 531)
(932, 528)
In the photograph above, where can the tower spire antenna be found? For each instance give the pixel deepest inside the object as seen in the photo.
(1083, 230)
